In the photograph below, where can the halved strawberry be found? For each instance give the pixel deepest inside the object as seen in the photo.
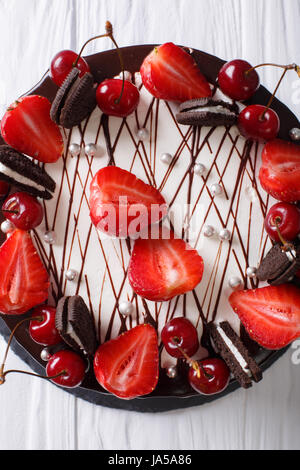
(280, 171)
(24, 281)
(121, 204)
(128, 365)
(170, 73)
(162, 268)
(271, 314)
(27, 127)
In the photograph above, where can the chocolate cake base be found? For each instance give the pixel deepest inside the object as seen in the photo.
(170, 394)
(89, 391)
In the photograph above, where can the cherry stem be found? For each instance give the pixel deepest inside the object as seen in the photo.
(10, 211)
(3, 374)
(13, 331)
(286, 68)
(261, 118)
(108, 34)
(286, 246)
(197, 366)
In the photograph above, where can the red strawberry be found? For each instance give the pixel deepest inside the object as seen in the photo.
(121, 204)
(24, 281)
(128, 365)
(160, 269)
(280, 171)
(27, 127)
(170, 73)
(271, 314)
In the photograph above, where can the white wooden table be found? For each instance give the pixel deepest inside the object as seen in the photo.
(34, 413)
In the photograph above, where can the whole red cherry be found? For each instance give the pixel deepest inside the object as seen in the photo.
(62, 64)
(70, 365)
(43, 330)
(258, 122)
(237, 81)
(286, 217)
(108, 93)
(180, 333)
(23, 210)
(211, 376)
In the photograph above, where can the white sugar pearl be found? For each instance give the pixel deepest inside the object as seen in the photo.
(172, 372)
(142, 134)
(71, 274)
(251, 271)
(235, 282)
(224, 234)
(126, 308)
(90, 150)
(127, 75)
(295, 133)
(74, 149)
(7, 226)
(50, 237)
(199, 169)
(166, 158)
(251, 193)
(216, 189)
(45, 354)
(208, 231)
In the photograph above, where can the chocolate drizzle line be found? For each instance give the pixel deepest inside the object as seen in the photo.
(104, 122)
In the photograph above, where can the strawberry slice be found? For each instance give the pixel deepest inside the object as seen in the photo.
(170, 73)
(160, 269)
(121, 204)
(128, 365)
(145, 70)
(271, 314)
(24, 281)
(280, 171)
(27, 127)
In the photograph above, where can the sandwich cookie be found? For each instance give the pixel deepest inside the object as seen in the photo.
(279, 265)
(207, 112)
(20, 171)
(75, 99)
(237, 357)
(75, 325)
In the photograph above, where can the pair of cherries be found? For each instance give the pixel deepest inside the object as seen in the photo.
(65, 367)
(207, 376)
(115, 97)
(239, 80)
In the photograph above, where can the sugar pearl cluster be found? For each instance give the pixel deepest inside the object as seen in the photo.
(90, 149)
(209, 231)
